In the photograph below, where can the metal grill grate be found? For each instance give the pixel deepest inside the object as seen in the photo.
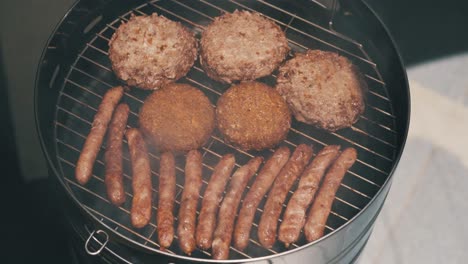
(90, 76)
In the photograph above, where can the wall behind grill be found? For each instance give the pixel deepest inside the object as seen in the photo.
(25, 26)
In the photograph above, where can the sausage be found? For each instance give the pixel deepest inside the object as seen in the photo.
(167, 189)
(84, 166)
(188, 205)
(274, 204)
(318, 214)
(227, 212)
(113, 156)
(262, 183)
(211, 199)
(295, 215)
(141, 179)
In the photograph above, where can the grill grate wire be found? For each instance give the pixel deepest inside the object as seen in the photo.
(373, 135)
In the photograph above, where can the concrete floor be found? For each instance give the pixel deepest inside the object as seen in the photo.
(424, 218)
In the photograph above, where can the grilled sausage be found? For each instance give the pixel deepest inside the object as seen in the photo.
(167, 189)
(227, 212)
(318, 214)
(188, 205)
(259, 188)
(295, 215)
(211, 199)
(141, 179)
(274, 204)
(113, 155)
(84, 166)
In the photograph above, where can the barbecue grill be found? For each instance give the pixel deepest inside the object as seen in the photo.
(75, 72)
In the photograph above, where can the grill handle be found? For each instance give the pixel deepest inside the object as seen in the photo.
(95, 238)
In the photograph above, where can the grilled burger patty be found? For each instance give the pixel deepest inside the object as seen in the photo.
(252, 115)
(323, 89)
(151, 51)
(242, 46)
(177, 117)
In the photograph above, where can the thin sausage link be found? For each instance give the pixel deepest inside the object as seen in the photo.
(227, 212)
(113, 155)
(274, 204)
(188, 205)
(318, 214)
(259, 188)
(84, 166)
(141, 179)
(211, 199)
(295, 215)
(167, 189)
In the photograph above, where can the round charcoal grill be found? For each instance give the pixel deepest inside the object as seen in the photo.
(75, 72)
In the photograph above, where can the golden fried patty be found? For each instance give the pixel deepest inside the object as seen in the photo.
(252, 115)
(242, 46)
(323, 89)
(150, 51)
(177, 117)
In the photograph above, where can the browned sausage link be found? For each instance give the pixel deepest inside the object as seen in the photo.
(274, 204)
(211, 199)
(295, 214)
(141, 179)
(167, 189)
(188, 205)
(113, 155)
(84, 166)
(318, 214)
(259, 188)
(227, 213)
